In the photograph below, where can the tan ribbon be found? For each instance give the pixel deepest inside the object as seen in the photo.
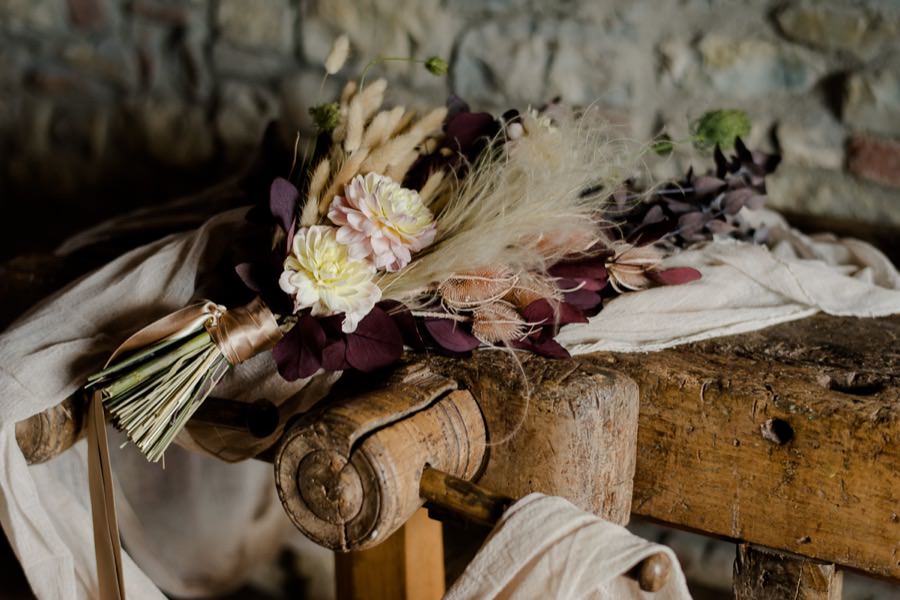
(239, 334)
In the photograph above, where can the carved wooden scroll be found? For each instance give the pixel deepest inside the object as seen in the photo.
(348, 475)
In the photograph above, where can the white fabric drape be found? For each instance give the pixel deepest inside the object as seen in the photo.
(197, 527)
(546, 547)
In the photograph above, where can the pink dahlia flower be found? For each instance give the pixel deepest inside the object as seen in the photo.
(381, 221)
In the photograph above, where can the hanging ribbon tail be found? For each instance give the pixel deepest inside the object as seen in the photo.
(107, 549)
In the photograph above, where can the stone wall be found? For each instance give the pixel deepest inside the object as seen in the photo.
(106, 104)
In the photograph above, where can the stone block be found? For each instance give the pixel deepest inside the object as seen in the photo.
(808, 135)
(872, 97)
(257, 24)
(38, 16)
(742, 67)
(832, 26)
(243, 114)
(832, 193)
(174, 133)
(875, 159)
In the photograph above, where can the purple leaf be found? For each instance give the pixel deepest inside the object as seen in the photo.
(376, 343)
(583, 300)
(405, 322)
(450, 335)
(334, 355)
(547, 347)
(706, 184)
(299, 353)
(283, 197)
(557, 313)
(467, 128)
(582, 270)
(675, 276)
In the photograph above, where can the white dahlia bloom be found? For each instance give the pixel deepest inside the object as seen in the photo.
(321, 275)
(381, 221)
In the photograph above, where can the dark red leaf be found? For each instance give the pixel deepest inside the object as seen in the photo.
(405, 322)
(553, 314)
(583, 299)
(334, 355)
(545, 347)
(451, 335)
(299, 353)
(283, 197)
(376, 343)
(675, 276)
(582, 270)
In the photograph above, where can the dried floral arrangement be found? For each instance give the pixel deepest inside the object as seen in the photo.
(442, 231)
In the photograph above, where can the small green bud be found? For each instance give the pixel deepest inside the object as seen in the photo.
(721, 127)
(437, 66)
(662, 145)
(325, 115)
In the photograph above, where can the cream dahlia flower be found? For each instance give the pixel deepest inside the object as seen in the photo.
(381, 221)
(320, 274)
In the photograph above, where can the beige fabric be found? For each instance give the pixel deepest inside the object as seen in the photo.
(545, 547)
(745, 288)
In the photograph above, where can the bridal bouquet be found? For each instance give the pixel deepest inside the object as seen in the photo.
(441, 231)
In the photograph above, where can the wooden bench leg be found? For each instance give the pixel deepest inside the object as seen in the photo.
(409, 565)
(761, 573)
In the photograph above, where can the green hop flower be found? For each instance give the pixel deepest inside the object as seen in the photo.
(437, 66)
(325, 115)
(721, 127)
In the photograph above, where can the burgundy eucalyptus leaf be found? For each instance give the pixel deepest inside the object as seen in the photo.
(706, 184)
(547, 347)
(466, 129)
(299, 353)
(584, 300)
(675, 276)
(334, 355)
(283, 198)
(593, 268)
(375, 344)
(736, 199)
(451, 335)
(555, 314)
(405, 322)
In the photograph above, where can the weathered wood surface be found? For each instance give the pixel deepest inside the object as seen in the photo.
(556, 428)
(348, 474)
(788, 437)
(763, 573)
(409, 565)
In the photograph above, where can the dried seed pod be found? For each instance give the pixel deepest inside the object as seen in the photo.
(629, 267)
(531, 287)
(497, 322)
(474, 288)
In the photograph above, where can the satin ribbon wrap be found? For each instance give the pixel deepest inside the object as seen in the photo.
(239, 334)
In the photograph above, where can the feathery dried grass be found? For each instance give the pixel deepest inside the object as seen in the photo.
(509, 199)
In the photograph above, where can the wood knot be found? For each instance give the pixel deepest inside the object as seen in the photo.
(330, 487)
(777, 431)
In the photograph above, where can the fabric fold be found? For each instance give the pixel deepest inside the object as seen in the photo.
(545, 547)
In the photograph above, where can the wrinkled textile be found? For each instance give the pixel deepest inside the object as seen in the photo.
(545, 547)
(745, 288)
(197, 526)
